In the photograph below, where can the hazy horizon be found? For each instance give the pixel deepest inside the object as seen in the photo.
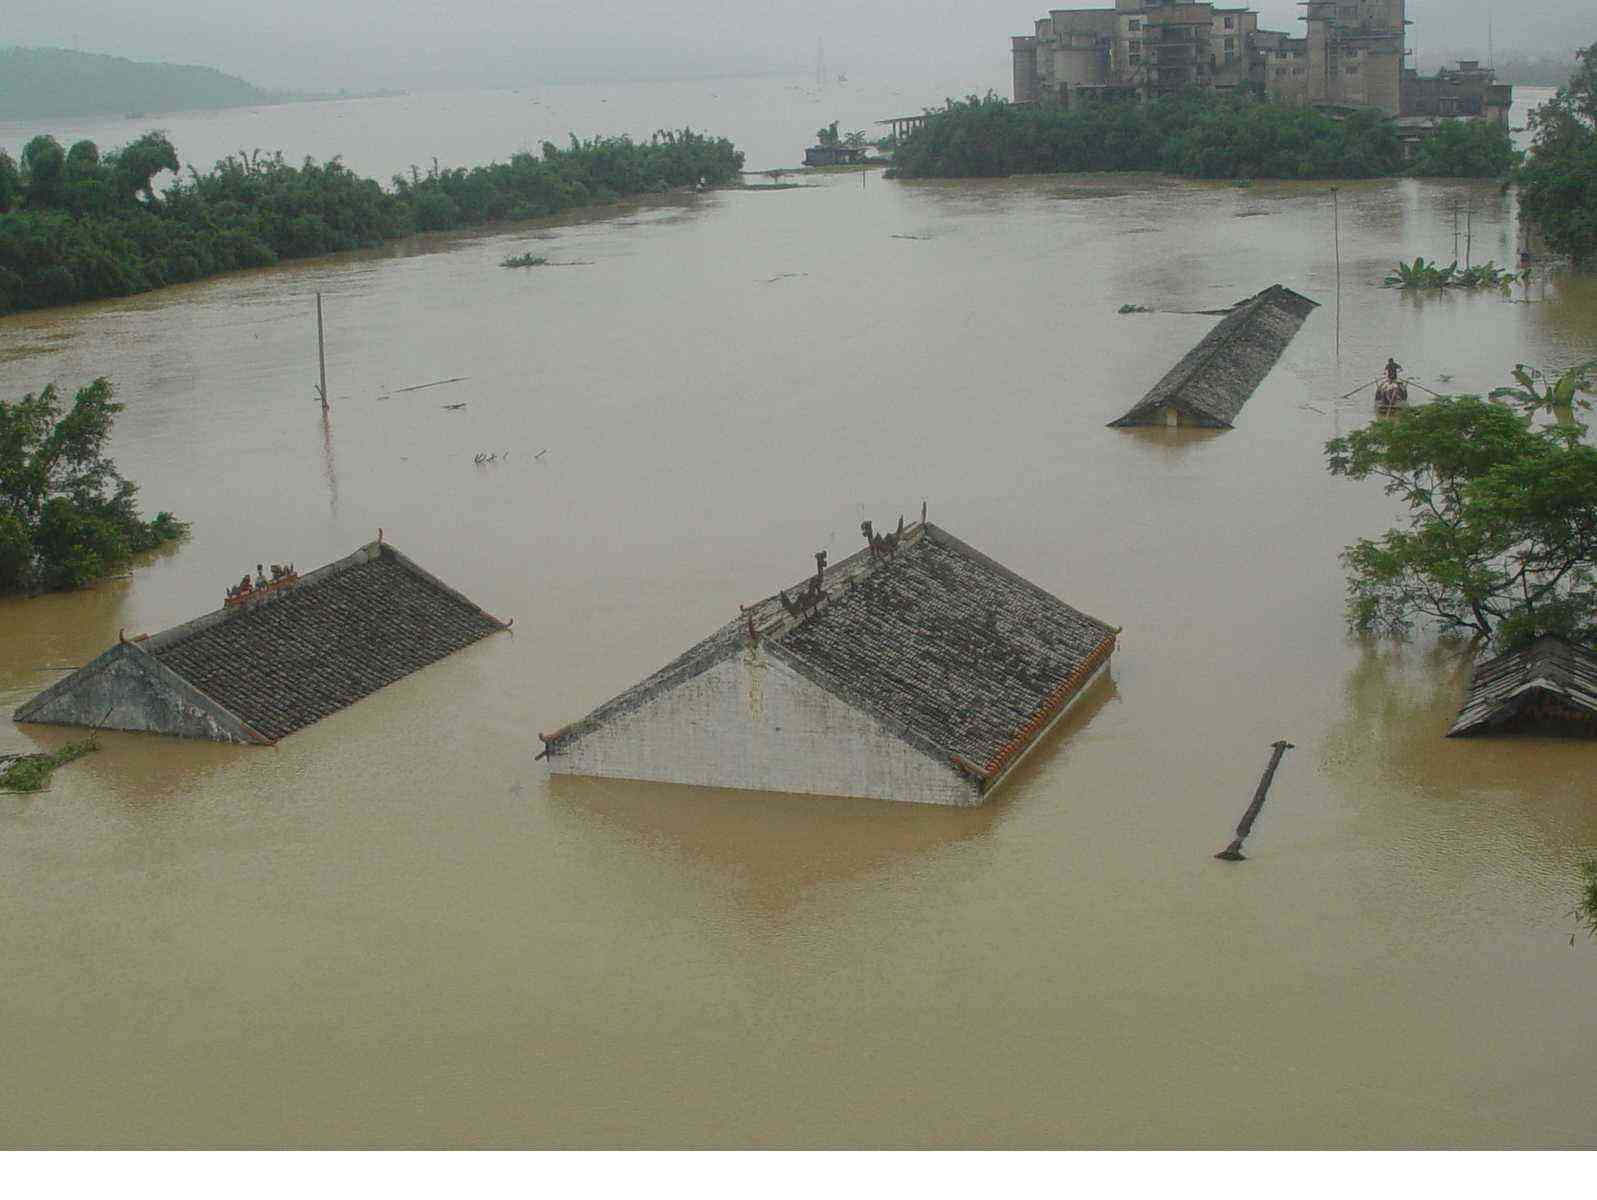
(417, 44)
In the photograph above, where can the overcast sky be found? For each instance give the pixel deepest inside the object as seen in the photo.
(410, 43)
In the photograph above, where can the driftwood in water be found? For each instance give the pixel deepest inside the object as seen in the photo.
(417, 387)
(1233, 852)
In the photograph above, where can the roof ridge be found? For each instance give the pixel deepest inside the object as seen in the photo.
(168, 638)
(835, 581)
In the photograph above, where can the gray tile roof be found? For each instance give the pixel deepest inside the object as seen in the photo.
(1218, 375)
(341, 633)
(952, 652)
(1550, 684)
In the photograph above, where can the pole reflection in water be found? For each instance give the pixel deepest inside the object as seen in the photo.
(329, 462)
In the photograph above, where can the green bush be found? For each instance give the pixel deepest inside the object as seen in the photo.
(78, 225)
(1200, 133)
(1465, 150)
(66, 516)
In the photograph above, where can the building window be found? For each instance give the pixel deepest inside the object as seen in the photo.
(1231, 43)
(1297, 70)
(1135, 58)
(1230, 55)
(1280, 72)
(1134, 24)
(1352, 70)
(1230, 22)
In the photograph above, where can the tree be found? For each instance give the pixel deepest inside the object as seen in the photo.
(44, 171)
(1558, 182)
(1501, 537)
(136, 165)
(66, 515)
(828, 136)
(1466, 150)
(10, 182)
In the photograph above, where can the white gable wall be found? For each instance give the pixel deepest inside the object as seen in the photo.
(753, 722)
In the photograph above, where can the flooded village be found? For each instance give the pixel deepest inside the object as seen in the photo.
(900, 847)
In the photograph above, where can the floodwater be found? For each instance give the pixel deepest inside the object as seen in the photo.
(395, 929)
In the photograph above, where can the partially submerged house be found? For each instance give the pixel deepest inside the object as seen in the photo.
(1209, 386)
(274, 658)
(918, 669)
(1548, 687)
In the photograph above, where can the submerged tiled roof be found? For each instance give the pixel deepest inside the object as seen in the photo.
(1218, 375)
(1550, 678)
(954, 653)
(341, 633)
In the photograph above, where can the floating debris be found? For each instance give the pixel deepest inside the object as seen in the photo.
(23, 774)
(417, 387)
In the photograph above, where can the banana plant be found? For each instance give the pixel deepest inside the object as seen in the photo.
(1538, 391)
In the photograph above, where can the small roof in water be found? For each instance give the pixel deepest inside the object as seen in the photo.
(1550, 685)
(294, 653)
(1218, 375)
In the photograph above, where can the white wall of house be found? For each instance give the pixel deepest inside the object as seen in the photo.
(752, 722)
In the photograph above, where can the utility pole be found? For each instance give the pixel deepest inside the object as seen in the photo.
(1336, 241)
(321, 353)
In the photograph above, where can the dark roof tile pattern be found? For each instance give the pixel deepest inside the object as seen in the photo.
(941, 640)
(1218, 375)
(339, 635)
(1550, 673)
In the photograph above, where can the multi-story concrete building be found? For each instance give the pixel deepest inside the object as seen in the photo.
(1143, 47)
(1351, 53)
(1350, 56)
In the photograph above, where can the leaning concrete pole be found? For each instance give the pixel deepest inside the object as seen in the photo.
(1233, 852)
(321, 351)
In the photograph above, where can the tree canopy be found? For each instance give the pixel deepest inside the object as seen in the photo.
(66, 515)
(1558, 182)
(1501, 536)
(76, 224)
(1200, 133)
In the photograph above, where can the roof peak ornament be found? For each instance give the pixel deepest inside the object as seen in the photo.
(810, 598)
(883, 545)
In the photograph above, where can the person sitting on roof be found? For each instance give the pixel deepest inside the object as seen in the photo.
(260, 575)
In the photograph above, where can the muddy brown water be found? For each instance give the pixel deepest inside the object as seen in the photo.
(394, 929)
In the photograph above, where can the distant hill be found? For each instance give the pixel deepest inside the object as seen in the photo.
(40, 84)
